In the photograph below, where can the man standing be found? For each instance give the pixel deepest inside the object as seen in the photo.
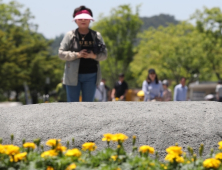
(167, 94)
(120, 88)
(180, 91)
(219, 91)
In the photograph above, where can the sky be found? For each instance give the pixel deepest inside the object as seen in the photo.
(54, 17)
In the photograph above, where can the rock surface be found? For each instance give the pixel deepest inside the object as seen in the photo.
(158, 124)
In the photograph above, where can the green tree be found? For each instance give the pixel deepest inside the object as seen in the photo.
(174, 51)
(209, 24)
(24, 53)
(119, 31)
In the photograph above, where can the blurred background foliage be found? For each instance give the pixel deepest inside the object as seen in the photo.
(135, 44)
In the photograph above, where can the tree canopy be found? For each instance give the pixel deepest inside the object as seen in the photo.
(119, 31)
(24, 53)
(182, 50)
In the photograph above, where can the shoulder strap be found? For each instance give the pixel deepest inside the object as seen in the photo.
(74, 39)
(94, 35)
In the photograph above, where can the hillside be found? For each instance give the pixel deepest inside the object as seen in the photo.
(158, 20)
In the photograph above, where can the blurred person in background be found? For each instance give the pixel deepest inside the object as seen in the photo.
(120, 89)
(219, 91)
(101, 92)
(82, 49)
(180, 90)
(167, 94)
(152, 87)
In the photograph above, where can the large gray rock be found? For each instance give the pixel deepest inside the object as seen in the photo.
(158, 124)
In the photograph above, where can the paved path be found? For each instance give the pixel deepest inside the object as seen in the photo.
(158, 124)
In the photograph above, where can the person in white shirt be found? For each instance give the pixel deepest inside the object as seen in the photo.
(180, 90)
(101, 92)
(219, 91)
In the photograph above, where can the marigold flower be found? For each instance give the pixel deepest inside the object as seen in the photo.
(114, 157)
(211, 163)
(152, 164)
(119, 137)
(2, 149)
(72, 166)
(89, 146)
(74, 152)
(174, 150)
(174, 157)
(18, 157)
(219, 156)
(53, 142)
(146, 148)
(61, 148)
(49, 153)
(107, 137)
(49, 168)
(29, 145)
(220, 145)
(11, 149)
(82, 160)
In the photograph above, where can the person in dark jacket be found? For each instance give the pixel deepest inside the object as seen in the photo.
(120, 89)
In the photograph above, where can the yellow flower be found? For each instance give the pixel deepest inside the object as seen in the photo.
(174, 150)
(72, 166)
(174, 157)
(2, 149)
(219, 156)
(82, 160)
(49, 153)
(53, 142)
(89, 146)
(220, 144)
(18, 157)
(61, 148)
(146, 148)
(118, 168)
(49, 168)
(152, 164)
(73, 152)
(211, 163)
(29, 145)
(11, 149)
(107, 137)
(119, 137)
(114, 157)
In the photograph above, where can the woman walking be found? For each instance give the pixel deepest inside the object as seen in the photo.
(152, 88)
(82, 49)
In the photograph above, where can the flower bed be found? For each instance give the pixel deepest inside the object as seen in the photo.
(32, 156)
